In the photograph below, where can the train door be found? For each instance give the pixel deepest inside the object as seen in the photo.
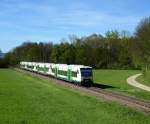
(69, 74)
(56, 71)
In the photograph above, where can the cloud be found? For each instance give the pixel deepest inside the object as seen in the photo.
(30, 16)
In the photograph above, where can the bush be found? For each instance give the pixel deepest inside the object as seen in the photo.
(3, 63)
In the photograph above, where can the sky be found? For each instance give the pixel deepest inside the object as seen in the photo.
(52, 20)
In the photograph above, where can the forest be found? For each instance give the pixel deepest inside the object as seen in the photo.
(114, 50)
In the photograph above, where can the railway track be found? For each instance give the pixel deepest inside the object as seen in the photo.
(126, 100)
(138, 104)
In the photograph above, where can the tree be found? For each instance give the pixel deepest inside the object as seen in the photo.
(125, 55)
(142, 43)
(111, 51)
(113, 42)
(1, 54)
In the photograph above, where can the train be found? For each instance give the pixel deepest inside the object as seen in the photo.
(77, 74)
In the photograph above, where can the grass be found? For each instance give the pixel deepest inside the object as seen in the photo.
(29, 100)
(116, 81)
(145, 79)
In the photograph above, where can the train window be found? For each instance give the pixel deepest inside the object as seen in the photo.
(74, 74)
(30, 66)
(61, 72)
(86, 72)
(44, 69)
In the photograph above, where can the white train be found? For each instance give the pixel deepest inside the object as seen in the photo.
(78, 74)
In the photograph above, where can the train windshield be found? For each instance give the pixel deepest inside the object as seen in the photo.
(86, 72)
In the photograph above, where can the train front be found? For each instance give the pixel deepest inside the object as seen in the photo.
(86, 76)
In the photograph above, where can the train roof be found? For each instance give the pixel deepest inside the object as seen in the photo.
(71, 65)
(77, 66)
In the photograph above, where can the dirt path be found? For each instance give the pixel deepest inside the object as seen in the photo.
(132, 81)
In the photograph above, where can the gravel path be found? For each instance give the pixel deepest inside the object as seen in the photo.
(132, 81)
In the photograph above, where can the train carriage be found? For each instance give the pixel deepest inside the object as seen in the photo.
(78, 74)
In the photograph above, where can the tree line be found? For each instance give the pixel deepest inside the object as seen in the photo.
(115, 50)
(112, 51)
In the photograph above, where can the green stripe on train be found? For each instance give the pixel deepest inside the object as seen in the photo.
(69, 73)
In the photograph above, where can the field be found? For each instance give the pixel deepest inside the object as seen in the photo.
(145, 79)
(29, 100)
(116, 80)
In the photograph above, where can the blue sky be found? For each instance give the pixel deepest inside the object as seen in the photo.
(52, 20)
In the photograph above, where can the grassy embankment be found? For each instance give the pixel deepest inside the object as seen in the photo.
(116, 80)
(29, 100)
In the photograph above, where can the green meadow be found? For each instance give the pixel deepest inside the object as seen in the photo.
(29, 100)
(115, 80)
